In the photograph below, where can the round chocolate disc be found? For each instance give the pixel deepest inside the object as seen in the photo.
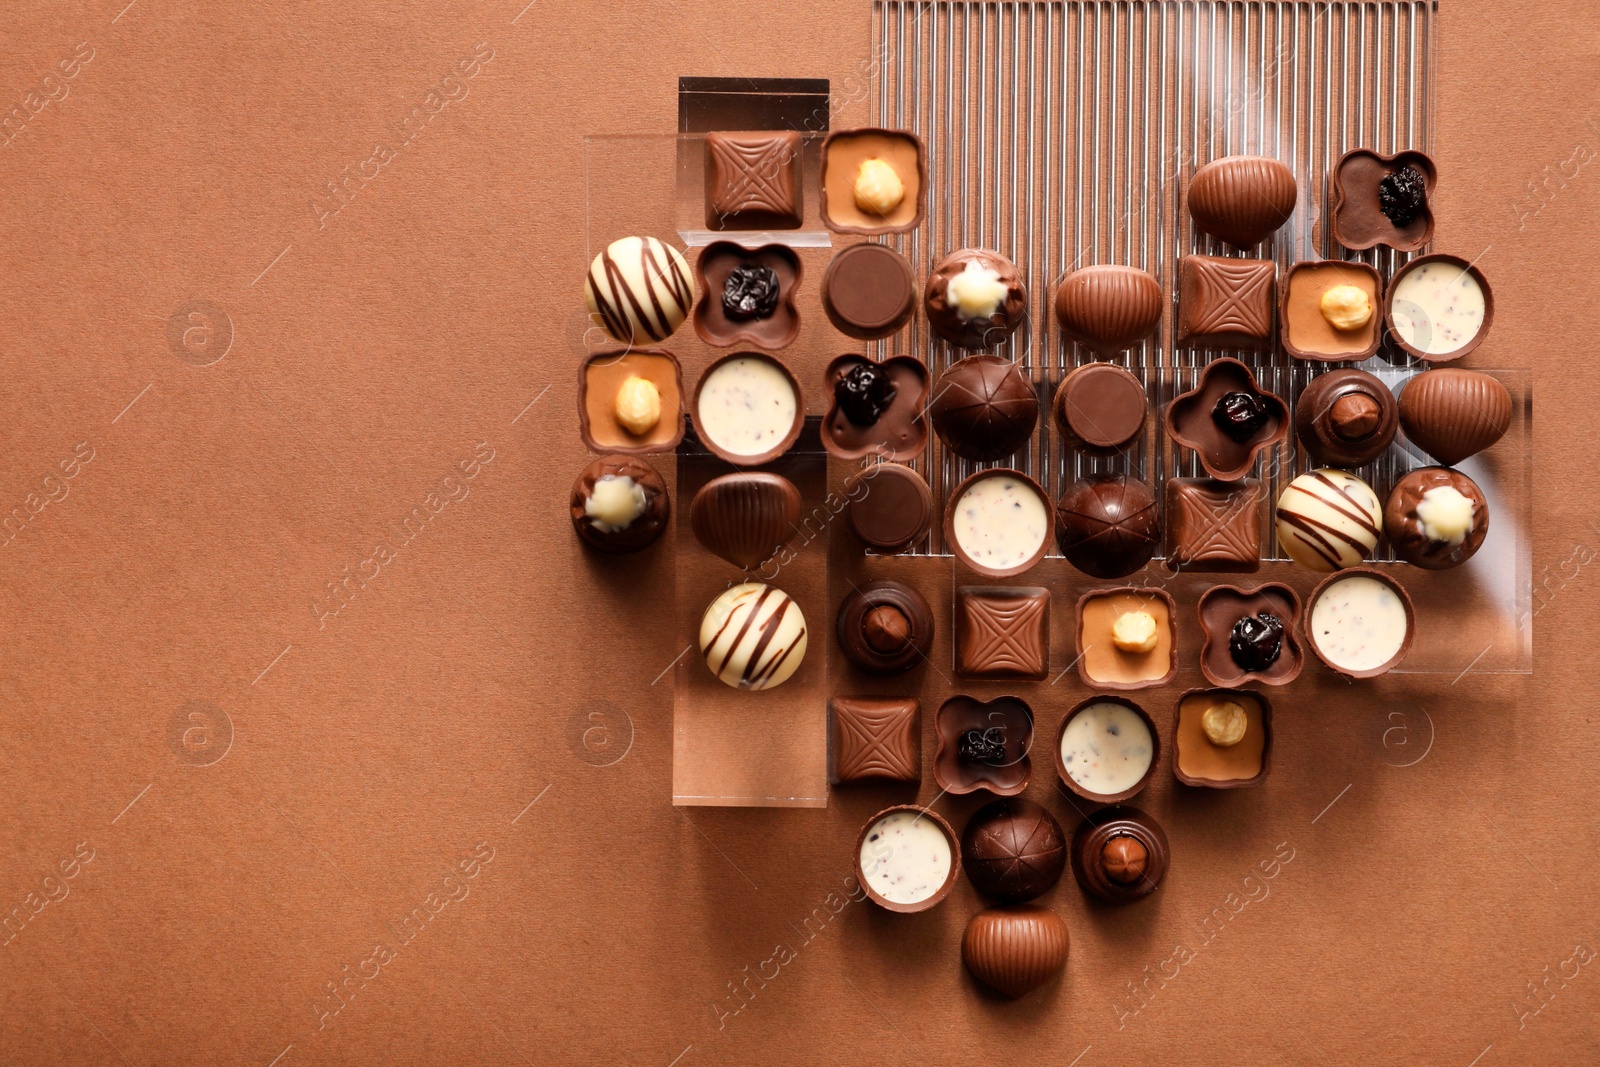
(869, 291)
(1100, 408)
(889, 507)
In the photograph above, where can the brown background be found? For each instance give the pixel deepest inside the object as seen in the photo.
(372, 753)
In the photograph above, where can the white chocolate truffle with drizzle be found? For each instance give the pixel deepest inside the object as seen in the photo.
(1328, 520)
(753, 636)
(639, 290)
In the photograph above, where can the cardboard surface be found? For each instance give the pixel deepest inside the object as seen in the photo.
(327, 743)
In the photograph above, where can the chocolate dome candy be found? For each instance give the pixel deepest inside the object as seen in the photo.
(745, 517)
(1013, 850)
(1453, 414)
(1436, 518)
(885, 627)
(1108, 527)
(753, 636)
(1108, 307)
(975, 298)
(1328, 520)
(983, 408)
(1015, 949)
(619, 504)
(1242, 199)
(1119, 855)
(1346, 417)
(639, 290)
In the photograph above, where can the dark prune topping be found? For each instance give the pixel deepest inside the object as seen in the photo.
(983, 746)
(1401, 195)
(1256, 641)
(751, 292)
(1240, 415)
(864, 393)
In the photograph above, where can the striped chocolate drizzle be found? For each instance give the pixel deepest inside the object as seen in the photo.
(662, 276)
(1319, 536)
(756, 672)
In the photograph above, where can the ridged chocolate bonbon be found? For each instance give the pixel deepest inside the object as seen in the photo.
(1013, 850)
(1453, 414)
(1108, 527)
(745, 517)
(1108, 307)
(1015, 949)
(1242, 199)
(885, 627)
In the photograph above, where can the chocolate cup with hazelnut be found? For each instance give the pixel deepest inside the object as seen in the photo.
(1150, 771)
(885, 627)
(1193, 753)
(1222, 607)
(1346, 418)
(1308, 330)
(844, 152)
(1119, 855)
(643, 528)
(1414, 537)
(601, 378)
(1104, 665)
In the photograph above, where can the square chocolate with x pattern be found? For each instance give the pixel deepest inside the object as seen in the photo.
(753, 180)
(1002, 632)
(875, 737)
(1226, 303)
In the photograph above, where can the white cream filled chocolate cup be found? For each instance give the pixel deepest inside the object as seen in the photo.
(999, 522)
(1360, 622)
(907, 858)
(1107, 749)
(753, 636)
(748, 408)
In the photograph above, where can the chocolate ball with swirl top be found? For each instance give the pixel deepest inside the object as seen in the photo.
(1346, 417)
(619, 504)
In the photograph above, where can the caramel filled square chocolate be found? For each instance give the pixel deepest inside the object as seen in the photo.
(1003, 633)
(1213, 525)
(753, 180)
(1226, 303)
(1233, 757)
(876, 737)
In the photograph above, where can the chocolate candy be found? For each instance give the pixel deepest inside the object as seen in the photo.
(885, 627)
(1243, 757)
(1382, 200)
(753, 180)
(1453, 414)
(1346, 417)
(605, 398)
(1106, 749)
(876, 738)
(975, 298)
(907, 858)
(638, 290)
(1015, 949)
(1108, 308)
(888, 507)
(753, 636)
(1213, 525)
(1108, 527)
(1103, 662)
(984, 409)
(1436, 518)
(1241, 645)
(1328, 519)
(1013, 722)
(1361, 622)
(619, 504)
(745, 517)
(869, 291)
(863, 393)
(1242, 199)
(1002, 632)
(1094, 864)
(876, 408)
(747, 295)
(873, 181)
(998, 522)
(1330, 311)
(1013, 850)
(1100, 409)
(748, 409)
(1227, 419)
(1225, 303)
(983, 746)
(1438, 307)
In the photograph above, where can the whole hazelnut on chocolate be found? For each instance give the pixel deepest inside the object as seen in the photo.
(1354, 417)
(886, 629)
(1124, 860)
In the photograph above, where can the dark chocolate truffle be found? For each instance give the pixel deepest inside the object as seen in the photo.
(984, 409)
(619, 504)
(1013, 850)
(1436, 518)
(975, 298)
(1108, 527)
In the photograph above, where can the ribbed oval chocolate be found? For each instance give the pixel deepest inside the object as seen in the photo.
(1452, 414)
(745, 517)
(1108, 307)
(1015, 949)
(1242, 199)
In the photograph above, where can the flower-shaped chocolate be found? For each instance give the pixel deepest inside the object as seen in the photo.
(1251, 635)
(875, 408)
(983, 745)
(747, 295)
(1377, 200)
(1227, 419)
